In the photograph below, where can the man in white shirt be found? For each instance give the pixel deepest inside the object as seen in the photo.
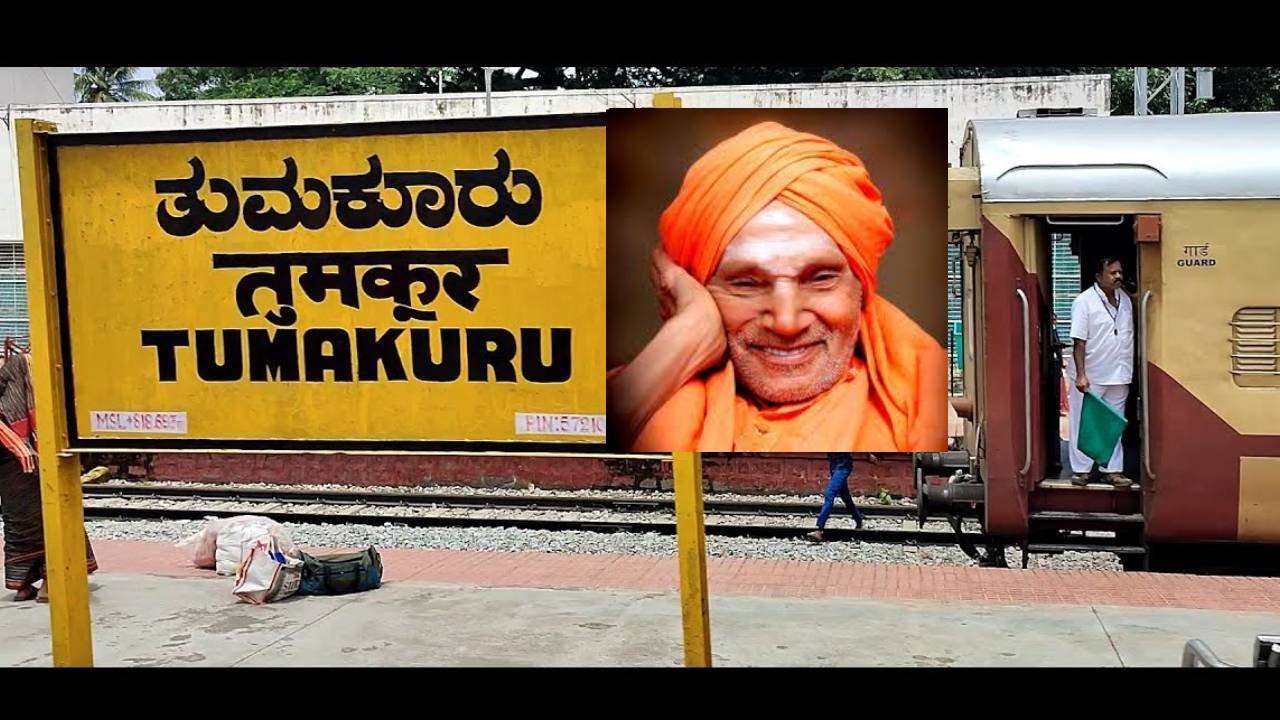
(1101, 360)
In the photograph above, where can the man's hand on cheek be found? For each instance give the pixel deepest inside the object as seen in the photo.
(686, 305)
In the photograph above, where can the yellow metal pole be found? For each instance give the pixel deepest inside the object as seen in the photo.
(691, 537)
(691, 544)
(61, 498)
(666, 100)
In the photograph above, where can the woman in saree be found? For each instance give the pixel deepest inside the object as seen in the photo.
(24, 559)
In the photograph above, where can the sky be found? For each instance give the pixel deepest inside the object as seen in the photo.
(149, 74)
(144, 73)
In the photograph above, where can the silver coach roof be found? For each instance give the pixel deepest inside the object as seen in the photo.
(1184, 157)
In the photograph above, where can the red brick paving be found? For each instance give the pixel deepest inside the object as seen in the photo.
(777, 578)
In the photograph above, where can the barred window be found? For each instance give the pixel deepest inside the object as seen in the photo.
(1255, 347)
(13, 293)
(11, 258)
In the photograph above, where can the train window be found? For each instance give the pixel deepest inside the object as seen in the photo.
(1255, 347)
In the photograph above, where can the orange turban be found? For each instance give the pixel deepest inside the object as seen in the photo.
(737, 178)
(899, 401)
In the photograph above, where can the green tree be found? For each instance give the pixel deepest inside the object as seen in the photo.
(217, 83)
(110, 84)
(1238, 89)
(1235, 89)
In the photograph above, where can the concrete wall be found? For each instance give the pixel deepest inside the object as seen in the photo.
(797, 473)
(967, 99)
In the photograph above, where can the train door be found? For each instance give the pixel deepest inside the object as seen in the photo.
(1079, 245)
(1012, 323)
(1063, 516)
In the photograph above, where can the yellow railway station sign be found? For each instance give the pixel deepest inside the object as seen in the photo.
(402, 286)
(432, 285)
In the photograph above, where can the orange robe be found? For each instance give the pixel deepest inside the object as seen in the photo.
(894, 395)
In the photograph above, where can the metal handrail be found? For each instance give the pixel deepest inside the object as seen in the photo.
(1146, 393)
(1266, 654)
(1026, 373)
(1197, 654)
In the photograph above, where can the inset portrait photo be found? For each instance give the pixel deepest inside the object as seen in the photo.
(777, 280)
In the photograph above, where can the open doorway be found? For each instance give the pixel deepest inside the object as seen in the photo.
(1076, 247)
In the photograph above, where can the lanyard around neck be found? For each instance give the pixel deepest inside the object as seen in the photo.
(1106, 304)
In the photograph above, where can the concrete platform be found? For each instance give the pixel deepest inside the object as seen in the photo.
(144, 620)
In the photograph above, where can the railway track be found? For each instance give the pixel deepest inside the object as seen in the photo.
(459, 500)
(341, 506)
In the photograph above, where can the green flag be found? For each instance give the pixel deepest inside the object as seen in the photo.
(1100, 428)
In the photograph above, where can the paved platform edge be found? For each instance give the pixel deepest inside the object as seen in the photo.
(770, 578)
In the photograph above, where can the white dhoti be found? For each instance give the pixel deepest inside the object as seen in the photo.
(1107, 329)
(1115, 395)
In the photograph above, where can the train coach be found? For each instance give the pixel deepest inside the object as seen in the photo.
(1191, 206)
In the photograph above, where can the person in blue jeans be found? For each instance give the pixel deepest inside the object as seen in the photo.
(841, 465)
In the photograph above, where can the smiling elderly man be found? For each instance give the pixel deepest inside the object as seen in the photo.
(773, 337)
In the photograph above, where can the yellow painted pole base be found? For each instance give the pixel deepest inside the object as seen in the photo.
(691, 545)
(65, 562)
(667, 100)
